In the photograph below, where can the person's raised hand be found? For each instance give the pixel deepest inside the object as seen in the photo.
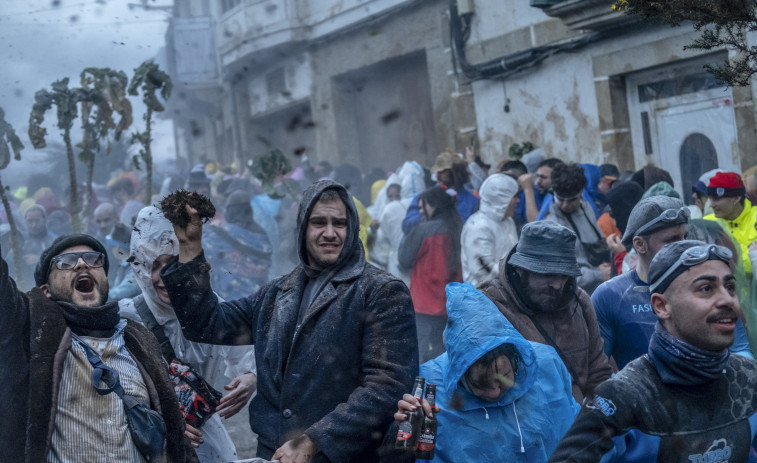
(190, 236)
(615, 244)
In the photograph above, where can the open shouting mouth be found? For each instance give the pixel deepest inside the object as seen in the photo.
(84, 284)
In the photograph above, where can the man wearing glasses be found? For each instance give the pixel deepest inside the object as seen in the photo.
(55, 406)
(687, 399)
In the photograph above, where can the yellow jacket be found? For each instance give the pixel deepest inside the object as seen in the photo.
(743, 231)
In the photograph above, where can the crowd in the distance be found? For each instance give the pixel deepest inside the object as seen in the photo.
(563, 312)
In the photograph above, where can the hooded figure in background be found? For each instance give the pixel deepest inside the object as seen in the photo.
(533, 407)
(489, 234)
(153, 242)
(334, 339)
(389, 234)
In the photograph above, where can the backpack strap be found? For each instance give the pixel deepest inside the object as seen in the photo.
(156, 328)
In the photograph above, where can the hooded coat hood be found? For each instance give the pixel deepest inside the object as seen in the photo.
(527, 423)
(352, 251)
(475, 327)
(496, 193)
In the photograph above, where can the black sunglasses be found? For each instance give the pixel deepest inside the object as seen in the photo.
(69, 260)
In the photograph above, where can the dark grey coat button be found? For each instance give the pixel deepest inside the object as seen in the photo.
(287, 413)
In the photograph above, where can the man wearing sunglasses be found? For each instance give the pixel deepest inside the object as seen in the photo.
(52, 409)
(687, 399)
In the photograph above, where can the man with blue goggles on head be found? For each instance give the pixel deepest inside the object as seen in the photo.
(625, 315)
(687, 399)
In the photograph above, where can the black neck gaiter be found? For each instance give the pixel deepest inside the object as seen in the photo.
(99, 322)
(678, 362)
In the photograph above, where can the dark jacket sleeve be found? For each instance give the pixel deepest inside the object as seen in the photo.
(14, 307)
(389, 365)
(409, 247)
(202, 317)
(588, 440)
(412, 216)
(603, 416)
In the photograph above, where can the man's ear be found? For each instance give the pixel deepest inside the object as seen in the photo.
(660, 306)
(640, 245)
(45, 289)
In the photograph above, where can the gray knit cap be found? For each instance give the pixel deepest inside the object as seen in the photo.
(648, 210)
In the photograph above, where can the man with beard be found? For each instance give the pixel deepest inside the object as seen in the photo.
(687, 399)
(70, 365)
(334, 339)
(537, 292)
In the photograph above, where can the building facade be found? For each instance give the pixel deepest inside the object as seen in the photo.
(377, 82)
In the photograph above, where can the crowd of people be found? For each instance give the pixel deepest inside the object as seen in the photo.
(564, 312)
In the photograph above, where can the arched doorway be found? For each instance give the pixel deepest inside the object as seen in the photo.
(697, 156)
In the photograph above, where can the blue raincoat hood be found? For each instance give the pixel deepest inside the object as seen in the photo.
(527, 423)
(474, 327)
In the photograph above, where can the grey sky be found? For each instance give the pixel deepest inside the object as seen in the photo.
(45, 40)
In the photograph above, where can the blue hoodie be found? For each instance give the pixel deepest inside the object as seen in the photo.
(526, 424)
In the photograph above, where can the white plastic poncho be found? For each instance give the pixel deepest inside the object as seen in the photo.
(152, 237)
(488, 235)
(389, 234)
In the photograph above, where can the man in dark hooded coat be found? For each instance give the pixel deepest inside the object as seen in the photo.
(334, 339)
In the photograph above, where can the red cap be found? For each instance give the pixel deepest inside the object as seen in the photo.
(725, 184)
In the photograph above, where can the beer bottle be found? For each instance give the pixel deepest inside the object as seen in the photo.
(427, 433)
(407, 434)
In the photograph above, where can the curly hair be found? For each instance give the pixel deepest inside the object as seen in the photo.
(568, 180)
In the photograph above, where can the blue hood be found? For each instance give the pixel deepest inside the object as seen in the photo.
(474, 327)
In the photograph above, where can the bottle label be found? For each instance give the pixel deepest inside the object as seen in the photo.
(404, 435)
(426, 440)
(425, 446)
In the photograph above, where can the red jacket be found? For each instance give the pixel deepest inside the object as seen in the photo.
(426, 250)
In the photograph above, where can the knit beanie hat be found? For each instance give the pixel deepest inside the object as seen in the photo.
(60, 244)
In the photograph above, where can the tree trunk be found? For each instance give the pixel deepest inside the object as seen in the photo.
(73, 200)
(15, 242)
(148, 158)
(88, 194)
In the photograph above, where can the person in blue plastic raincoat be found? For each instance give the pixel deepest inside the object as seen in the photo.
(502, 398)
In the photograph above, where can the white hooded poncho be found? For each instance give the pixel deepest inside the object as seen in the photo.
(152, 237)
(488, 235)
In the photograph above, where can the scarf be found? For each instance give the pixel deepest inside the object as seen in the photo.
(679, 362)
(99, 322)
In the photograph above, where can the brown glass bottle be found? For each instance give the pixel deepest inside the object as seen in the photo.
(427, 432)
(407, 434)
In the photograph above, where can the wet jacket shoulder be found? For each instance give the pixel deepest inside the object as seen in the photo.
(573, 328)
(636, 417)
(336, 372)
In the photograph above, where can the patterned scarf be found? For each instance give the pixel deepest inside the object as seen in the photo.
(679, 362)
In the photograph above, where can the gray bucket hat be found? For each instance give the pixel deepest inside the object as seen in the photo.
(649, 210)
(546, 247)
